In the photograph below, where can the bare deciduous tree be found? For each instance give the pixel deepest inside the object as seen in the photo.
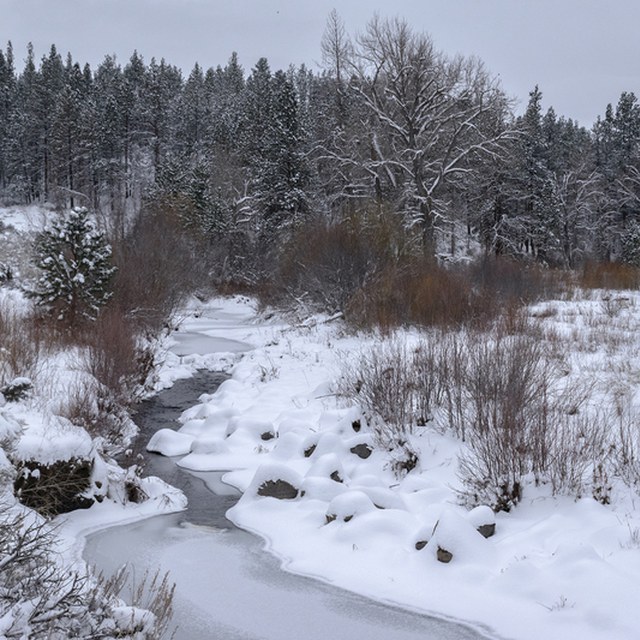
(430, 116)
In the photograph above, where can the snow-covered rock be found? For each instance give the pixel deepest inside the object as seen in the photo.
(348, 505)
(170, 443)
(483, 519)
(275, 481)
(455, 538)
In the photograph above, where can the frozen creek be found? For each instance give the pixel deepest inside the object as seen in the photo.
(227, 586)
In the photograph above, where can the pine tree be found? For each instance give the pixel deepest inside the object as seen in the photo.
(74, 258)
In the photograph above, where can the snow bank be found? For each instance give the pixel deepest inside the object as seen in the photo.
(534, 578)
(170, 443)
(51, 438)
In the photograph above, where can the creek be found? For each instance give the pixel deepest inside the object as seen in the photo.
(227, 586)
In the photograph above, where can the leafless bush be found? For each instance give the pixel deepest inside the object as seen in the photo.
(115, 356)
(327, 263)
(43, 598)
(21, 345)
(54, 488)
(383, 382)
(578, 444)
(609, 275)
(507, 409)
(94, 407)
(158, 266)
(153, 594)
(626, 447)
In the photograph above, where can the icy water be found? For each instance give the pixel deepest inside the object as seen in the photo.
(227, 586)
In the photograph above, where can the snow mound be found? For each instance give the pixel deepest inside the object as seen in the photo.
(324, 489)
(209, 445)
(170, 443)
(270, 476)
(328, 466)
(55, 439)
(456, 536)
(348, 505)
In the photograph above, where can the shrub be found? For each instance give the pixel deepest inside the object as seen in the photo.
(22, 341)
(499, 393)
(417, 291)
(609, 275)
(325, 263)
(158, 267)
(45, 598)
(117, 357)
(397, 388)
(54, 488)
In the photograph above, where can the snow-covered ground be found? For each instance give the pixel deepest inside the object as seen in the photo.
(556, 568)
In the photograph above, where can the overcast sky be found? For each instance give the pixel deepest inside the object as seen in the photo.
(582, 53)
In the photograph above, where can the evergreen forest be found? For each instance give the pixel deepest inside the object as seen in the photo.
(393, 143)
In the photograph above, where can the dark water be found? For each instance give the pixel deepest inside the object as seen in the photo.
(227, 586)
(162, 412)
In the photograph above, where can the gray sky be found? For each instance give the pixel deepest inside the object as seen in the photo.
(582, 53)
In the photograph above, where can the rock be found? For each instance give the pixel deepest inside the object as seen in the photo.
(443, 555)
(356, 425)
(308, 452)
(487, 530)
(347, 505)
(421, 544)
(267, 435)
(483, 519)
(274, 481)
(279, 489)
(362, 450)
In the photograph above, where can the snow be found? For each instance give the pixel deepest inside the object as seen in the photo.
(52, 438)
(169, 443)
(556, 567)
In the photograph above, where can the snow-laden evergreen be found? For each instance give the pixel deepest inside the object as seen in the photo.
(74, 259)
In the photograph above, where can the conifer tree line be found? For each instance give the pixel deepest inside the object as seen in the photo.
(390, 122)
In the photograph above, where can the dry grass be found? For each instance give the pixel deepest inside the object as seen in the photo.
(609, 275)
(23, 342)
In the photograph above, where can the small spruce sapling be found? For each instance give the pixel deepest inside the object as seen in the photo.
(75, 263)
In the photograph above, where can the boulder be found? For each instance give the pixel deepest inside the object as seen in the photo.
(348, 505)
(483, 519)
(274, 481)
(443, 555)
(280, 489)
(362, 450)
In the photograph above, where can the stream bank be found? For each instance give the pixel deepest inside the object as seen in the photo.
(227, 587)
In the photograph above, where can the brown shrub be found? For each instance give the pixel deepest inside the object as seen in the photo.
(324, 264)
(417, 291)
(22, 342)
(158, 267)
(115, 356)
(609, 275)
